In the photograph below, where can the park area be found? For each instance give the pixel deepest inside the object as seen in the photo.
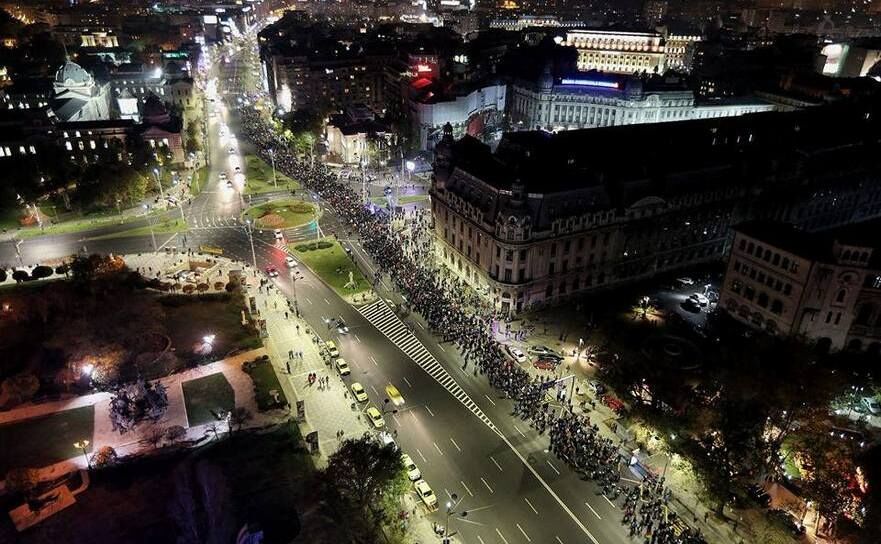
(108, 325)
(281, 214)
(327, 259)
(207, 399)
(46, 439)
(259, 177)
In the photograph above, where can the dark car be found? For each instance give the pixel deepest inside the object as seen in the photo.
(545, 353)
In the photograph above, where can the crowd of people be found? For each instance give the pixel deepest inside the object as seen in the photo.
(400, 246)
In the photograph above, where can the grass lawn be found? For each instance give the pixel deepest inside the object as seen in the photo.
(207, 397)
(189, 318)
(265, 380)
(200, 180)
(281, 214)
(45, 440)
(168, 226)
(332, 265)
(258, 175)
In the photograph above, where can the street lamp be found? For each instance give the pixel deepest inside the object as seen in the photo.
(250, 234)
(272, 158)
(158, 177)
(150, 225)
(451, 510)
(82, 445)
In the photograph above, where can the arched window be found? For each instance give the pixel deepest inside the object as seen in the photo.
(839, 298)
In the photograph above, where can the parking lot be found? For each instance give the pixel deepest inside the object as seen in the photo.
(672, 298)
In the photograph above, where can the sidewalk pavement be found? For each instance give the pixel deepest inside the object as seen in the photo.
(329, 409)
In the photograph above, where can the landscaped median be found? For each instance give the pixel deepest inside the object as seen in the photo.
(329, 261)
(281, 214)
(259, 178)
(169, 226)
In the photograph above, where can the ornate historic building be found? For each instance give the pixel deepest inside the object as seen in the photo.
(77, 96)
(548, 216)
(823, 286)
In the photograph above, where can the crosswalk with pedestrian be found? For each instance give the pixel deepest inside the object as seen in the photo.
(384, 319)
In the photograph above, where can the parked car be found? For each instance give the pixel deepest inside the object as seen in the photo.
(691, 305)
(545, 352)
(331, 348)
(375, 417)
(685, 281)
(426, 494)
(278, 234)
(291, 262)
(412, 470)
(516, 354)
(358, 392)
(342, 367)
(700, 299)
(596, 387)
(272, 271)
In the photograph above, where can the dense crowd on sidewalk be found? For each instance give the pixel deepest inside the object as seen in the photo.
(460, 318)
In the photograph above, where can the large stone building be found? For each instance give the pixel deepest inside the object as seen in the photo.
(469, 108)
(822, 286)
(547, 216)
(592, 99)
(632, 52)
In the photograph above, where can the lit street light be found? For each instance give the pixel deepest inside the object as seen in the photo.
(82, 445)
(250, 234)
(451, 510)
(158, 177)
(272, 158)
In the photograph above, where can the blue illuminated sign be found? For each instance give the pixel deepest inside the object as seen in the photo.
(590, 83)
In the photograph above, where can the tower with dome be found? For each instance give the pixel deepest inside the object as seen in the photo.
(77, 96)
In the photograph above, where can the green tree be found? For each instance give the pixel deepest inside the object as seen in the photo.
(364, 483)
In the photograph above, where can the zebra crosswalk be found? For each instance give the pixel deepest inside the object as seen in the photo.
(384, 319)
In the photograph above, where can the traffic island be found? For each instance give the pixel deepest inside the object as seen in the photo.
(259, 178)
(328, 260)
(281, 214)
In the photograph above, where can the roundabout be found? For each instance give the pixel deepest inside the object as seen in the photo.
(282, 214)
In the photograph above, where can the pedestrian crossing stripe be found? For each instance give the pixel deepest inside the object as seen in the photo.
(386, 322)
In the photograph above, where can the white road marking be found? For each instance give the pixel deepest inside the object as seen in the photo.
(553, 467)
(496, 463)
(374, 390)
(501, 536)
(437, 448)
(550, 491)
(420, 455)
(441, 348)
(524, 532)
(407, 382)
(519, 431)
(457, 445)
(421, 326)
(307, 300)
(558, 539)
(487, 485)
(592, 510)
(413, 414)
(466, 488)
(429, 410)
(374, 360)
(327, 301)
(530, 505)
(356, 337)
(398, 421)
(491, 401)
(610, 502)
(480, 540)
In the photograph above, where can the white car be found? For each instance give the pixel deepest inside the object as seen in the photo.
(279, 234)
(331, 348)
(232, 151)
(375, 417)
(684, 281)
(358, 392)
(426, 494)
(291, 262)
(516, 354)
(412, 470)
(700, 299)
(342, 367)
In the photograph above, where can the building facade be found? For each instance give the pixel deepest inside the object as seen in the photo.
(550, 216)
(825, 286)
(618, 52)
(470, 109)
(600, 100)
